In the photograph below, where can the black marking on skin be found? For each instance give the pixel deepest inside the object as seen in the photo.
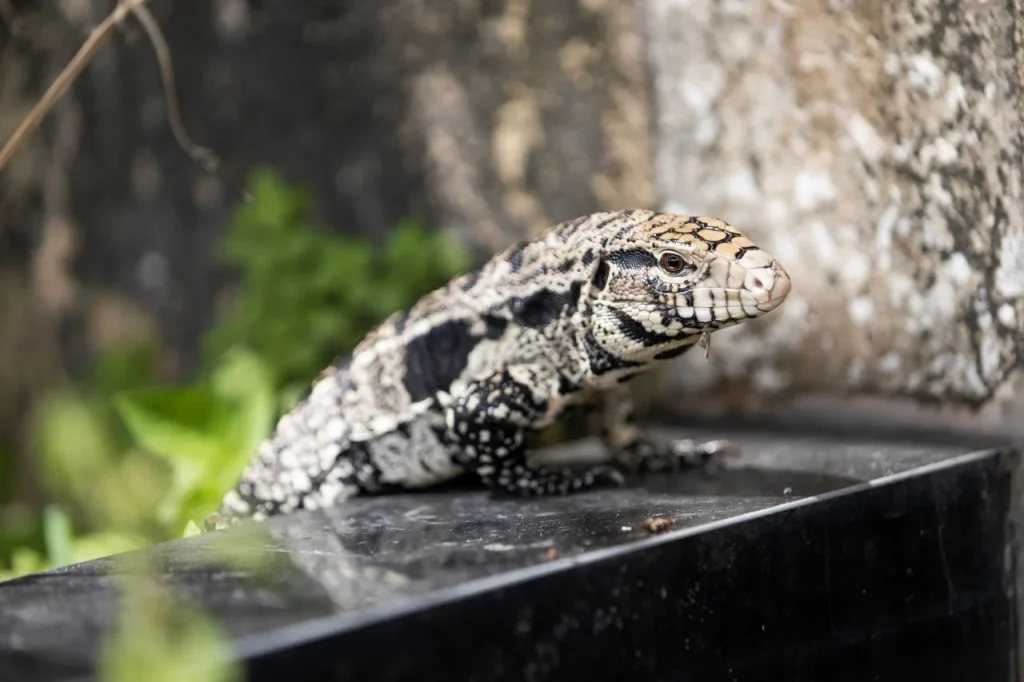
(601, 276)
(471, 280)
(604, 223)
(495, 326)
(588, 257)
(567, 386)
(633, 259)
(688, 297)
(673, 352)
(400, 321)
(601, 361)
(515, 257)
(635, 331)
(540, 308)
(435, 359)
(366, 475)
(568, 229)
(574, 293)
(566, 265)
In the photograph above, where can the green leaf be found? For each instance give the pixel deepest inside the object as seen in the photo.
(73, 440)
(246, 381)
(160, 639)
(97, 545)
(57, 536)
(26, 561)
(178, 425)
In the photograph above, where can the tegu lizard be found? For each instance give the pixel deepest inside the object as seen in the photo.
(455, 384)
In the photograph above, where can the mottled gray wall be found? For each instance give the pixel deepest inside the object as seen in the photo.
(491, 117)
(875, 148)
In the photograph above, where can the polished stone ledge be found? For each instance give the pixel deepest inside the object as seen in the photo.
(803, 559)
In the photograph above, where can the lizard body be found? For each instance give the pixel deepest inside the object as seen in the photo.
(456, 383)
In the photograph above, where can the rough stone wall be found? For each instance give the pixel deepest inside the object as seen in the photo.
(875, 148)
(494, 118)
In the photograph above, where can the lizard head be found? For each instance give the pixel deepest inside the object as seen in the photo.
(664, 283)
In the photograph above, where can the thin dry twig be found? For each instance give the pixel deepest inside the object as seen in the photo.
(202, 156)
(66, 77)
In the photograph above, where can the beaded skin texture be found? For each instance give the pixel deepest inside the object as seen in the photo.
(455, 385)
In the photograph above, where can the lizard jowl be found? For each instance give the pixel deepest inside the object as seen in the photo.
(455, 384)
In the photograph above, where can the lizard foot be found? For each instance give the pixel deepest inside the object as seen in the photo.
(655, 456)
(518, 480)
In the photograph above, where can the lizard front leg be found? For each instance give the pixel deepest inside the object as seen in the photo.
(487, 424)
(636, 452)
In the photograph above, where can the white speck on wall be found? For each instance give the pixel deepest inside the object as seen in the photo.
(935, 190)
(856, 371)
(824, 246)
(943, 152)
(232, 17)
(769, 379)
(787, 251)
(990, 91)
(924, 74)
(699, 94)
(776, 212)
(678, 208)
(153, 270)
(940, 301)
(890, 363)
(706, 131)
(984, 317)
(812, 189)
(868, 142)
(861, 310)
(1009, 278)
(741, 186)
(1007, 315)
(991, 358)
(956, 96)
(892, 64)
(934, 233)
(883, 235)
(855, 268)
(900, 287)
(958, 268)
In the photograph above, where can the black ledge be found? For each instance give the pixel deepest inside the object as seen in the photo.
(805, 559)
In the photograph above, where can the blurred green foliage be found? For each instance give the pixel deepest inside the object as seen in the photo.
(128, 461)
(158, 638)
(304, 296)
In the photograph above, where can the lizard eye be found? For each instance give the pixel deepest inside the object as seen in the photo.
(672, 263)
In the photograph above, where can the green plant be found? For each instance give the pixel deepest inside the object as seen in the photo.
(129, 460)
(307, 295)
(160, 638)
(204, 433)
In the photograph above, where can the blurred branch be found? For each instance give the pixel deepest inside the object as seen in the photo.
(202, 156)
(10, 17)
(66, 77)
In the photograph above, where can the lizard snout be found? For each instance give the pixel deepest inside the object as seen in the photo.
(769, 285)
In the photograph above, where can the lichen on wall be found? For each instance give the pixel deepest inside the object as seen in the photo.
(875, 148)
